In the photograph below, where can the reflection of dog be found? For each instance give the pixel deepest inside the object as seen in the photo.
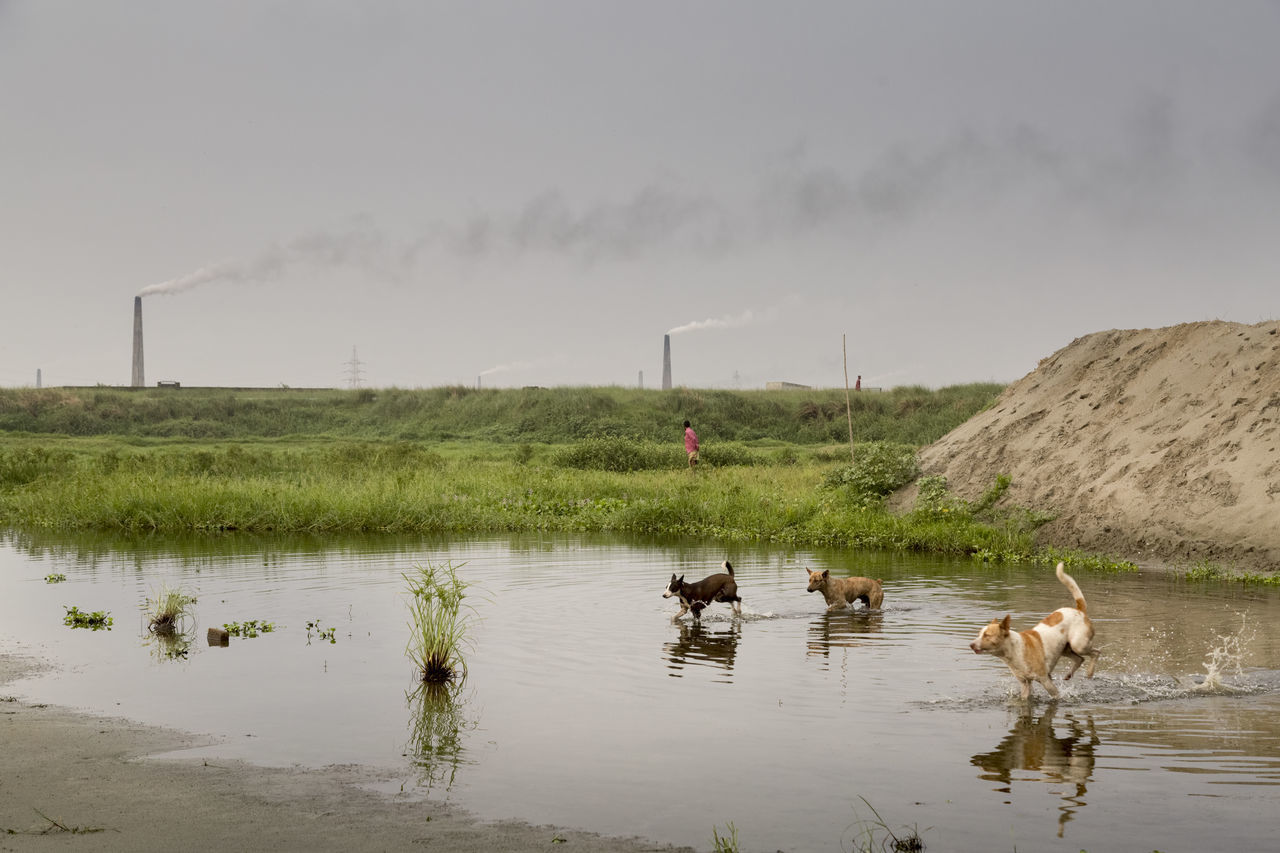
(697, 645)
(696, 596)
(1032, 655)
(842, 592)
(841, 629)
(1032, 744)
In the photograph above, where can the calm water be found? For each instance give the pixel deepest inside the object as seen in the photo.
(586, 706)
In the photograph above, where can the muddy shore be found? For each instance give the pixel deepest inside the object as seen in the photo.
(72, 781)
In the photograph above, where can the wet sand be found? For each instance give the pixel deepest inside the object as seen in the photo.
(72, 781)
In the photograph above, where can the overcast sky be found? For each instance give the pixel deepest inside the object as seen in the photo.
(533, 193)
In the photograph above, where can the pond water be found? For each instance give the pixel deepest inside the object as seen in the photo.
(586, 706)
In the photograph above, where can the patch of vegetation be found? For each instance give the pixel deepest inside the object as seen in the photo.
(878, 468)
(1205, 571)
(727, 843)
(876, 835)
(248, 629)
(321, 632)
(169, 606)
(439, 621)
(55, 578)
(98, 620)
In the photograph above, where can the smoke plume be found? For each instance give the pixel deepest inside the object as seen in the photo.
(746, 318)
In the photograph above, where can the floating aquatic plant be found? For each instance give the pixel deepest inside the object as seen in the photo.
(98, 620)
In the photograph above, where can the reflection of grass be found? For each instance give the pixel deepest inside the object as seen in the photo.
(55, 578)
(167, 609)
(437, 725)
(173, 645)
(439, 622)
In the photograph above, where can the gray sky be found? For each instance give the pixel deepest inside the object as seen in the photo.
(534, 193)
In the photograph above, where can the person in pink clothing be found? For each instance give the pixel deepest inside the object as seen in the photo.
(691, 445)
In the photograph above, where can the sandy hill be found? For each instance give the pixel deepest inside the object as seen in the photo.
(1159, 445)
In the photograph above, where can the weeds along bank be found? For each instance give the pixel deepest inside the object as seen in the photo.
(772, 487)
(792, 495)
(908, 415)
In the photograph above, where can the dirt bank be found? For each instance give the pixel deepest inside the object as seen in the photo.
(88, 775)
(1159, 445)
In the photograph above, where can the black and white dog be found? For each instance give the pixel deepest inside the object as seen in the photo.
(696, 596)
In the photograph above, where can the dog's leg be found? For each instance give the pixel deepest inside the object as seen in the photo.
(1093, 662)
(1075, 659)
(684, 608)
(1047, 683)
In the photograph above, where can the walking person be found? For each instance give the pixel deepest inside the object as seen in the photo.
(691, 445)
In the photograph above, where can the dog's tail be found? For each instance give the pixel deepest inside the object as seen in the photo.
(728, 568)
(1073, 588)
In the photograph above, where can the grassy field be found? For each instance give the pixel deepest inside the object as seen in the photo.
(777, 466)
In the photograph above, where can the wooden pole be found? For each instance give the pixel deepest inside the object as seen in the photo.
(848, 409)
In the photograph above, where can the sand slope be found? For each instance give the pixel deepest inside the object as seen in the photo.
(1160, 445)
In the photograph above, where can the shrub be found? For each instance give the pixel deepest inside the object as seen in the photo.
(620, 455)
(878, 468)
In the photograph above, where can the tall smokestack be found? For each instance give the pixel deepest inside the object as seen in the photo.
(666, 360)
(138, 379)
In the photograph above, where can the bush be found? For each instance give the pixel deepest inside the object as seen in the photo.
(879, 467)
(620, 455)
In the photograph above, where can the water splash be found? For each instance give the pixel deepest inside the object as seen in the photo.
(1227, 659)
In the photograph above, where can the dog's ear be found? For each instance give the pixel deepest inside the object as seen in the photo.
(826, 573)
(1004, 623)
(681, 578)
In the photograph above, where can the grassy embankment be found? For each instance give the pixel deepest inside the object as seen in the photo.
(777, 464)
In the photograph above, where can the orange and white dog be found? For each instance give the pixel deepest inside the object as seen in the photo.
(1032, 655)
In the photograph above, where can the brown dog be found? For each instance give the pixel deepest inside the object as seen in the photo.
(842, 592)
(1032, 655)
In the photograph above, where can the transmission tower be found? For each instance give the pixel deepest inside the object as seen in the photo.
(354, 374)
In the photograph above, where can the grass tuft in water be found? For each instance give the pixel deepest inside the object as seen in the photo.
(167, 608)
(439, 622)
(875, 835)
(727, 843)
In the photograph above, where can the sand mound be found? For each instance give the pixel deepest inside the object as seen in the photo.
(1159, 445)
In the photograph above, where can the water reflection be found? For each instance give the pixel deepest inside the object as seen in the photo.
(438, 723)
(1033, 744)
(842, 629)
(170, 645)
(698, 645)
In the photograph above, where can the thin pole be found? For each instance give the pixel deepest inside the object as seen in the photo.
(848, 410)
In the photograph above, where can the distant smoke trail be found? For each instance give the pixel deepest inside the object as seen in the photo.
(363, 249)
(792, 197)
(746, 318)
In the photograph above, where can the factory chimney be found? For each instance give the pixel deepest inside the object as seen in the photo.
(666, 361)
(138, 379)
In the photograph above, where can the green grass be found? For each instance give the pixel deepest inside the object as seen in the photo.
(167, 609)
(792, 495)
(439, 619)
(776, 465)
(909, 415)
(727, 843)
